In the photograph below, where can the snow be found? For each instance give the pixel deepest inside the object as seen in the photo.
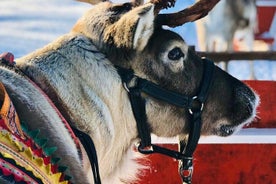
(30, 24)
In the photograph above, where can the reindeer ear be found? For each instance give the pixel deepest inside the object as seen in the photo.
(144, 28)
(133, 29)
(93, 2)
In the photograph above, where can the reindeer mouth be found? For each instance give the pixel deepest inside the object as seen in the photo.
(226, 130)
(245, 113)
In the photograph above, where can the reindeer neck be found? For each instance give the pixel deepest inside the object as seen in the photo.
(79, 80)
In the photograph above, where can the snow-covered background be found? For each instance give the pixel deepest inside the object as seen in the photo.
(26, 25)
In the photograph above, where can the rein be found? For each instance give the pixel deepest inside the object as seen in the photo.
(195, 106)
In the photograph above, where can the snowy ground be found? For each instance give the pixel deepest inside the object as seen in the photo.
(30, 24)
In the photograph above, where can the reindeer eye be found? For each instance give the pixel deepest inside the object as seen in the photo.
(175, 54)
(127, 6)
(121, 8)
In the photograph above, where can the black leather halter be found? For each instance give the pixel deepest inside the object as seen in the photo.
(194, 104)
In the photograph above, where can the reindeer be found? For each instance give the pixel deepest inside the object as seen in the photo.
(228, 23)
(113, 53)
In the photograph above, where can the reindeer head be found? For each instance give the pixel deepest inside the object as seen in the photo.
(133, 37)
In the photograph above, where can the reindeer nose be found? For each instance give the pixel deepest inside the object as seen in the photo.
(245, 100)
(244, 91)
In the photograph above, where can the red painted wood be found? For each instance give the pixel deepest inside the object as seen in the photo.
(267, 108)
(217, 163)
(243, 163)
(265, 16)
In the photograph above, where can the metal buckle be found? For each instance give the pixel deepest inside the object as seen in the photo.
(196, 105)
(145, 150)
(126, 87)
(131, 83)
(186, 169)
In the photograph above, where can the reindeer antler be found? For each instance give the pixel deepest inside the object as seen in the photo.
(198, 10)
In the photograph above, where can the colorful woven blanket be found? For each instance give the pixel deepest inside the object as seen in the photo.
(24, 155)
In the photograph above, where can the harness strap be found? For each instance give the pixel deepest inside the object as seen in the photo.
(161, 150)
(139, 111)
(193, 135)
(207, 79)
(194, 104)
(90, 149)
(152, 89)
(195, 126)
(137, 104)
(188, 147)
(163, 94)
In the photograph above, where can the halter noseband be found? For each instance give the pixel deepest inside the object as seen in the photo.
(194, 104)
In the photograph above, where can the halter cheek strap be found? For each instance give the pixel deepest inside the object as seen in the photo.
(193, 104)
